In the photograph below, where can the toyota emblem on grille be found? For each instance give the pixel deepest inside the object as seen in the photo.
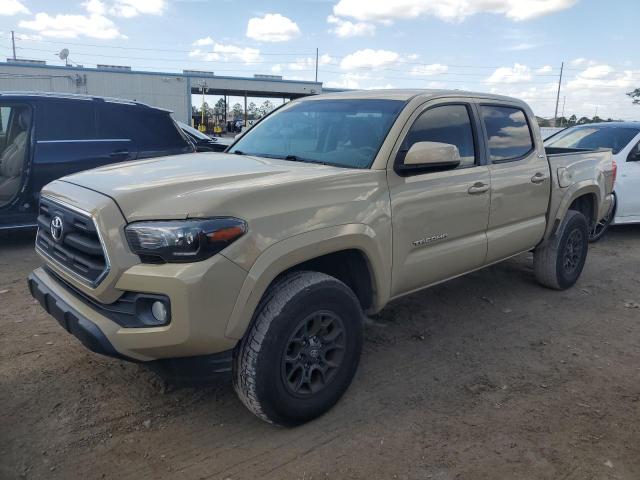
(56, 228)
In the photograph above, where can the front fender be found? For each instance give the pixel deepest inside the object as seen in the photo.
(294, 250)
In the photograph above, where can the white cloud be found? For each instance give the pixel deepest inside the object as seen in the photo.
(596, 71)
(12, 7)
(345, 28)
(428, 70)
(95, 24)
(309, 63)
(449, 10)
(222, 52)
(203, 42)
(583, 93)
(369, 58)
(133, 8)
(517, 73)
(95, 6)
(582, 62)
(26, 36)
(545, 69)
(73, 26)
(348, 80)
(273, 27)
(520, 47)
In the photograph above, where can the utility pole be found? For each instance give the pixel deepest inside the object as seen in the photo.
(564, 100)
(13, 45)
(555, 116)
(316, 64)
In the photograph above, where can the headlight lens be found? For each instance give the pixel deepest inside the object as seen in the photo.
(183, 241)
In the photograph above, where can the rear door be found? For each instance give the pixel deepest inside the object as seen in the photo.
(68, 141)
(520, 180)
(439, 217)
(152, 131)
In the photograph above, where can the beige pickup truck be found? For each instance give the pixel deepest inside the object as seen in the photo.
(261, 262)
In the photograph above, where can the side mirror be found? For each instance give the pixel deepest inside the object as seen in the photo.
(429, 157)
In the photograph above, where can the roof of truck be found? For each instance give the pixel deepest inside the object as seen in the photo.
(16, 95)
(406, 94)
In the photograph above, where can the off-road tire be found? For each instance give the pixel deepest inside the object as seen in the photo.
(550, 260)
(258, 375)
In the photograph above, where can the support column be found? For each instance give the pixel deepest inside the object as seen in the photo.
(245, 109)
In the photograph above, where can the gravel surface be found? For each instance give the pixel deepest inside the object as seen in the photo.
(489, 376)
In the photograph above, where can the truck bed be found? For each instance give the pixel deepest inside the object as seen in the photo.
(571, 168)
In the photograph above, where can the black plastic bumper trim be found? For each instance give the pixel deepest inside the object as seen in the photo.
(71, 320)
(185, 371)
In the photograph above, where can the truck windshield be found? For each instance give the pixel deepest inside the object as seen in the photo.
(593, 137)
(344, 133)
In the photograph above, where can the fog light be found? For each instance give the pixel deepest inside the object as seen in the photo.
(159, 311)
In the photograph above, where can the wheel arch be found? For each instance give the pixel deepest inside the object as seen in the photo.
(347, 252)
(586, 197)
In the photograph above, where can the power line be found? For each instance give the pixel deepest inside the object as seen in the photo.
(82, 55)
(307, 54)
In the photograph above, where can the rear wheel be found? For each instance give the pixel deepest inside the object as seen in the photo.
(601, 227)
(302, 350)
(559, 263)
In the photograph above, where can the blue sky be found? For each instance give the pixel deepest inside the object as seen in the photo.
(513, 47)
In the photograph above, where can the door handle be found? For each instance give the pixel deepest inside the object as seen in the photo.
(119, 153)
(538, 178)
(478, 187)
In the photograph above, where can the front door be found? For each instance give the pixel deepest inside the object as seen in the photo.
(439, 217)
(520, 181)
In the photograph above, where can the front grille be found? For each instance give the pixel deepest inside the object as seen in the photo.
(70, 239)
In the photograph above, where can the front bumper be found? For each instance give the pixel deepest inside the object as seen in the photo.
(182, 371)
(70, 319)
(202, 296)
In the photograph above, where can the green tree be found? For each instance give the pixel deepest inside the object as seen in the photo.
(265, 108)
(572, 120)
(635, 96)
(219, 107)
(237, 111)
(252, 111)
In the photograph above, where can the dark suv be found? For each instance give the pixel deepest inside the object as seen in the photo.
(44, 136)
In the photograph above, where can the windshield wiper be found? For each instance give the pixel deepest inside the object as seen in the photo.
(296, 158)
(238, 152)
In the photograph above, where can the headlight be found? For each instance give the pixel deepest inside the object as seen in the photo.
(183, 240)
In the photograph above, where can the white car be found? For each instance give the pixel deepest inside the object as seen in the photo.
(623, 138)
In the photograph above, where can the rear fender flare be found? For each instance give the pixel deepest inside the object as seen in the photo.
(573, 192)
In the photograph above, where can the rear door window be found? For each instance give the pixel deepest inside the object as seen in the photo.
(151, 130)
(508, 132)
(66, 120)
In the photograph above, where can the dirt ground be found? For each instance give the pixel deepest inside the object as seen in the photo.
(486, 377)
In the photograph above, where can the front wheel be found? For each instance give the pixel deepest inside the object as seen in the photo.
(302, 350)
(559, 263)
(601, 227)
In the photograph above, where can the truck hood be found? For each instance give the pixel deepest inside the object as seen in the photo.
(195, 185)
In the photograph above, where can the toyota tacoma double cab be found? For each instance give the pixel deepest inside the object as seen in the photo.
(261, 262)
